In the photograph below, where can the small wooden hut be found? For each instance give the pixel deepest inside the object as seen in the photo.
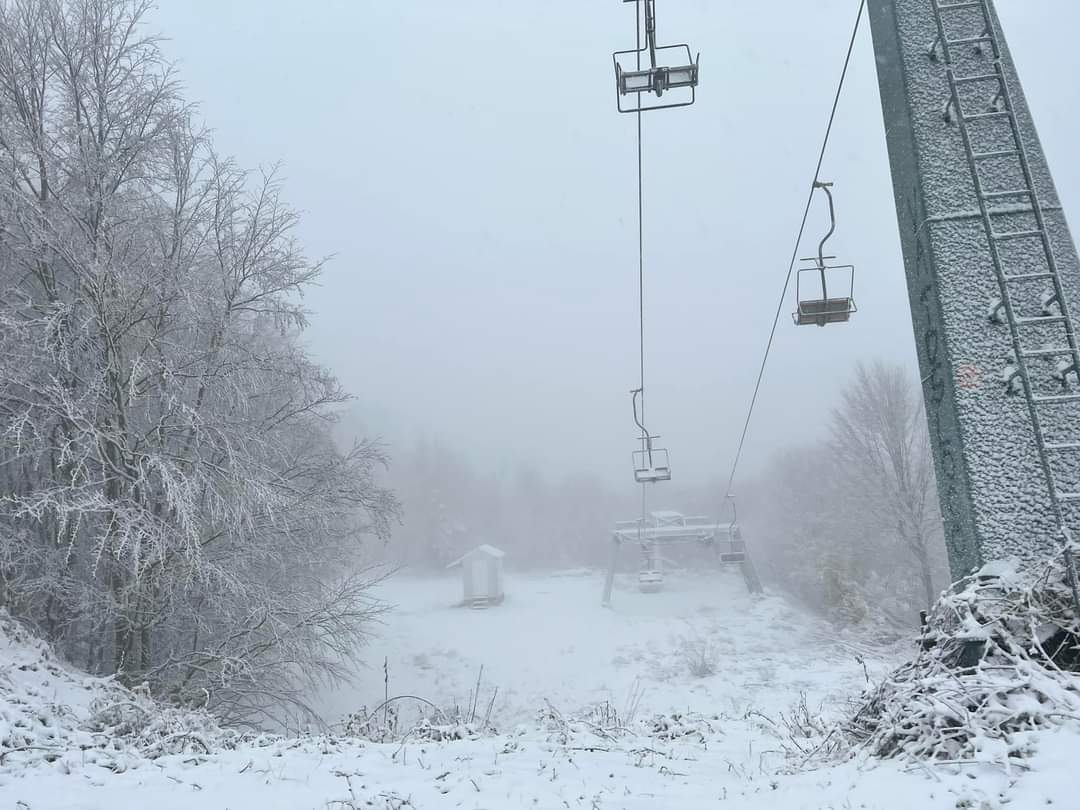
(481, 576)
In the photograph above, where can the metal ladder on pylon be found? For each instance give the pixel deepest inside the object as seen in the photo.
(983, 38)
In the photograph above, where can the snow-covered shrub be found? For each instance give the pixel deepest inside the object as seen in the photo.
(49, 712)
(1000, 659)
(699, 654)
(677, 726)
(601, 720)
(416, 719)
(804, 723)
(155, 729)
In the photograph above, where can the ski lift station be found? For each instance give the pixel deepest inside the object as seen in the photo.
(663, 528)
(481, 576)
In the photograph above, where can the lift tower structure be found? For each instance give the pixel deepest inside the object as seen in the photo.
(993, 280)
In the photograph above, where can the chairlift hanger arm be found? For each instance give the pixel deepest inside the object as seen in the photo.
(827, 188)
(649, 465)
(637, 421)
(650, 30)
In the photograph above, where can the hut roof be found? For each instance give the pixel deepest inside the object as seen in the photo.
(485, 549)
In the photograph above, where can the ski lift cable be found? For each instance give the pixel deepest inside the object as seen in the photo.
(641, 229)
(641, 267)
(798, 240)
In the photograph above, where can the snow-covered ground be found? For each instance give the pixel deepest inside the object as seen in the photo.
(552, 641)
(729, 739)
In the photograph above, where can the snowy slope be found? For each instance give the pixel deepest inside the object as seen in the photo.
(735, 742)
(53, 715)
(551, 640)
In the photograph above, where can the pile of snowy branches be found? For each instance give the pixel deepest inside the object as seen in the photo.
(1000, 661)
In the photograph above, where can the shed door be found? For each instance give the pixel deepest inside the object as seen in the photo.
(481, 578)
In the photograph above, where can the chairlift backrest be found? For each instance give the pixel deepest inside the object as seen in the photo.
(667, 67)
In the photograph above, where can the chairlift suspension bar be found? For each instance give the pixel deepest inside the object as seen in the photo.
(650, 30)
(645, 437)
(827, 188)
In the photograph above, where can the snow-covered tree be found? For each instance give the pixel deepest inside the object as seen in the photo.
(880, 443)
(173, 506)
(851, 523)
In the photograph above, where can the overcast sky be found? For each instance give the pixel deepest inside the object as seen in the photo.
(465, 165)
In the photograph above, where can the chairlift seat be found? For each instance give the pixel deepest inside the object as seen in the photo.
(818, 308)
(822, 312)
(650, 581)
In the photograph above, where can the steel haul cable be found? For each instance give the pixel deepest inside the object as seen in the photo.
(641, 257)
(798, 240)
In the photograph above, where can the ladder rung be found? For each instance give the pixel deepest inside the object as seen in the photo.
(985, 115)
(982, 77)
(1004, 237)
(971, 40)
(1064, 447)
(957, 6)
(1057, 399)
(1046, 352)
(1068, 496)
(1040, 319)
(997, 195)
(1029, 277)
(997, 154)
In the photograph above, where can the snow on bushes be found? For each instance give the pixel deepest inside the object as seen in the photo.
(49, 713)
(387, 723)
(999, 661)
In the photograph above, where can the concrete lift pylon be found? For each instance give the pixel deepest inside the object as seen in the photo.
(981, 224)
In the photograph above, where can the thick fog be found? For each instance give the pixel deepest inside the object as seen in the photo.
(318, 326)
(465, 165)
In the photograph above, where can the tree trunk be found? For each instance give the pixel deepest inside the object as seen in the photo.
(926, 573)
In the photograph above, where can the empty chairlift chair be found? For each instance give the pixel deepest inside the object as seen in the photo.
(824, 292)
(651, 575)
(651, 464)
(644, 76)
